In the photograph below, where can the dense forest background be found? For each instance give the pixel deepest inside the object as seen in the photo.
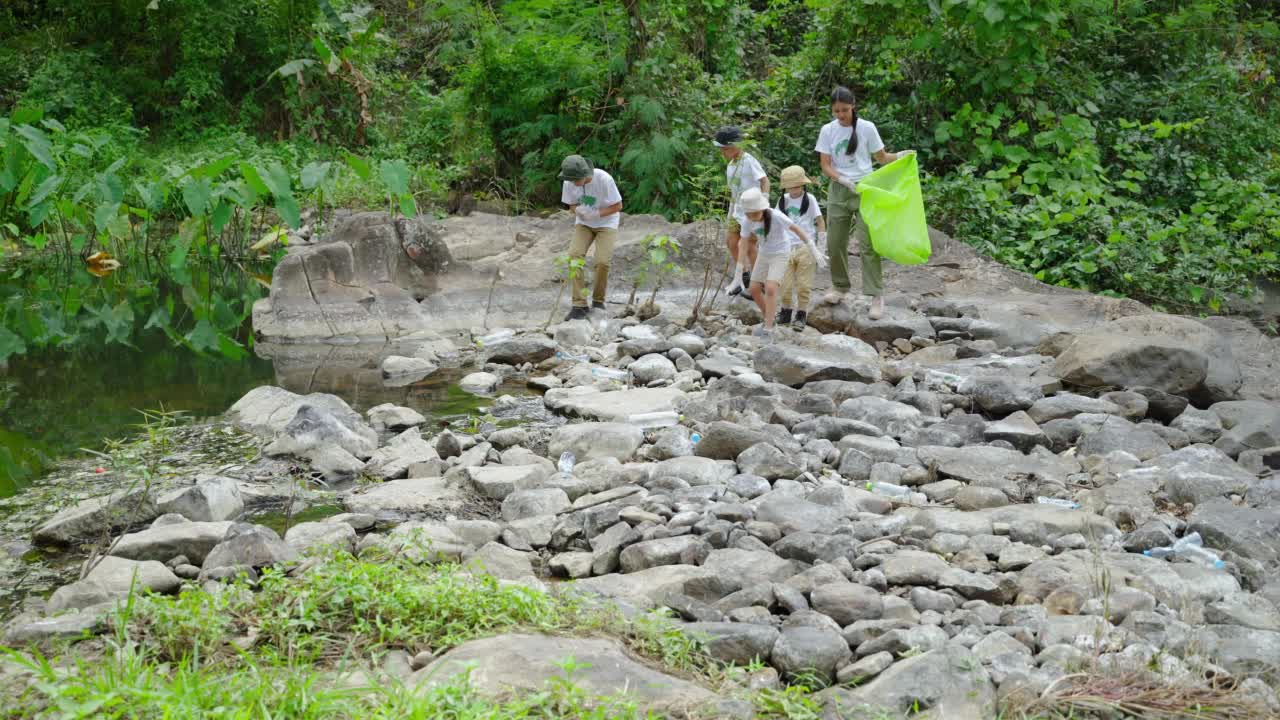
(1123, 146)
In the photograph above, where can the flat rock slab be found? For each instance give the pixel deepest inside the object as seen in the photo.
(990, 465)
(644, 589)
(945, 684)
(518, 664)
(612, 405)
(400, 498)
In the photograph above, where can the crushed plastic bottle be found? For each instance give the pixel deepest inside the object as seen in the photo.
(610, 374)
(567, 461)
(1190, 547)
(1058, 502)
(495, 336)
(645, 421)
(939, 379)
(695, 438)
(562, 355)
(889, 489)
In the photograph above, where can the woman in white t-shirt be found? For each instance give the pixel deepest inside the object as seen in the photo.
(743, 173)
(847, 146)
(775, 235)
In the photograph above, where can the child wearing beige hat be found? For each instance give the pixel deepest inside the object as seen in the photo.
(797, 283)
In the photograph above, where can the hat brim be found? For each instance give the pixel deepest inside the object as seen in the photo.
(795, 183)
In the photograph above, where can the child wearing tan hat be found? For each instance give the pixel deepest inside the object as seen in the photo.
(802, 207)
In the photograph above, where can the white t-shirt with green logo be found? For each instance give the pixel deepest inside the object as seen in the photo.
(743, 174)
(780, 237)
(600, 193)
(807, 222)
(834, 138)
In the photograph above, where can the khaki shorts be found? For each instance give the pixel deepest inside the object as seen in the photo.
(770, 268)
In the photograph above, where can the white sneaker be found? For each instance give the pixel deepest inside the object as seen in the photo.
(877, 307)
(735, 285)
(834, 297)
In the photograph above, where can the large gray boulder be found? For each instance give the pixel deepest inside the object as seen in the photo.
(362, 281)
(521, 349)
(316, 426)
(392, 461)
(588, 441)
(249, 546)
(734, 642)
(810, 650)
(113, 578)
(398, 499)
(92, 518)
(164, 542)
(1247, 425)
(1173, 354)
(794, 365)
(944, 684)
(311, 537)
(522, 664)
(212, 498)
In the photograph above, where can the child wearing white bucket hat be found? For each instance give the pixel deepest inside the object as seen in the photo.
(775, 235)
(797, 283)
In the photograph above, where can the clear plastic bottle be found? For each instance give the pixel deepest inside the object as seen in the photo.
(610, 373)
(644, 421)
(567, 461)
(939, 379)
(496, 336)
(1058, 502)
(562, 355)
(889, 489)
(1189, 547)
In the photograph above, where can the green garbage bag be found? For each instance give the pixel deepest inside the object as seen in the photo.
(893, 209)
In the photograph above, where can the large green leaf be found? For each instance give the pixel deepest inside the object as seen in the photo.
(44, 190)
(37, 143)
(203, 336)
(395, 173)
(359, 166)
(253, 176)
(289, 211)
(196, 194)
(10, 344)
(314, 174)
(277, 179)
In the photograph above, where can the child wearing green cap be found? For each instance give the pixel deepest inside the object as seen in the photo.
(593, 197)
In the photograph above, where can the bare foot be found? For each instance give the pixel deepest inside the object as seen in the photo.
(877, 307)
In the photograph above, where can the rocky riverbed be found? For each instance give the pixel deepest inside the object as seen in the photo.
(931, 523)
(954, 511)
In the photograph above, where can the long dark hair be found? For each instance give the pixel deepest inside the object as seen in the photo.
(804, 203)
(767, 222)
(844, 95)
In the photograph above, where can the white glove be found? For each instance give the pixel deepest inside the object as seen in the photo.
(853, 187)
(818, 258)
(587, 213)
(822, 239)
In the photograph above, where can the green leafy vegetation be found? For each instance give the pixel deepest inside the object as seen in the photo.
(1121, 146)
(284, 647)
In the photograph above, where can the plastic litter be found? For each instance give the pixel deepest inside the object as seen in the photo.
(1190, 547)
(495, 336)
(661, 419)
(1058, 502)
(939, 379)
(566, 463)
(610, 373)
(562, 355)
(889, 489)
(695, 438)
(893, 209)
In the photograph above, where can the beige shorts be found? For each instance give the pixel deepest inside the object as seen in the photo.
(770, 268)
